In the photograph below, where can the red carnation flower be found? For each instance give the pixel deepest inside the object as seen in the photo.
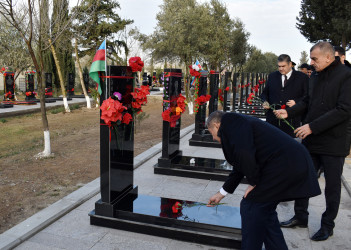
(136, 63)
(283, 106)
(227, 89)
(127, 118)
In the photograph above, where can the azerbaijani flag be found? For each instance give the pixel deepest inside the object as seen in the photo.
(98, 64)
(198, 64)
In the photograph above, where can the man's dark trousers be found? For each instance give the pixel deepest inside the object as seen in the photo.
(333, 166)
(260, 225)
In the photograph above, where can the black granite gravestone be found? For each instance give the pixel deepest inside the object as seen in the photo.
(86, 82)
(201, 136)
(172, 162)
(48, 84)
(9, 90)
(214, 82)
(226, 94)
(249, 84)
(234, 90)
(30, 93)
(70, 85)
(123, 208)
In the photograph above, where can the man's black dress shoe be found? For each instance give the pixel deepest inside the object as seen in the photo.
(293, 223)
(322, 234)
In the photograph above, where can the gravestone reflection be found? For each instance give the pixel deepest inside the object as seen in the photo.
(123, 208)
(172, 162)
(201, 136)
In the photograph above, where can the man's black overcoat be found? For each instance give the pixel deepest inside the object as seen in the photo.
(295, 89)
(280, 167)
(328, 109)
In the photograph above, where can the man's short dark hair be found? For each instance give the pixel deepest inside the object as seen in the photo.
(214, 117)
(284, 58)
(340, 50)
(303, 66)
(325, 47)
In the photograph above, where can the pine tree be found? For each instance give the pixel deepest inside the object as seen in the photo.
(96, 21)
(326, 20)
(63, 44)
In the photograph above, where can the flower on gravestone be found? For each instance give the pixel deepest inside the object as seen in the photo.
(28, 93)
(111, 111)
(250, 98)
(166, 115)
(227, 89)
(202, 99)
(220, 96)
(172, 114)
(139, 98)
(194, 71)
(2, 70)
(118, 95)
(136, 64)
(127, 118)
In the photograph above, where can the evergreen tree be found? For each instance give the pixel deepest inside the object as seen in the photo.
(49, 64)
(96, 21)
(304, 57)
(326, 20)
(63, 43)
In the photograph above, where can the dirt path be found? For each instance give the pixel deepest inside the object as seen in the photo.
(28, 185)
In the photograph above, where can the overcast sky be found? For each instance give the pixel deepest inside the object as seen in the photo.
(271, 23)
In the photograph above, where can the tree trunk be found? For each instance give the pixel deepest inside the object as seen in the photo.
(81, 76)
(41, 92)
(65, 103)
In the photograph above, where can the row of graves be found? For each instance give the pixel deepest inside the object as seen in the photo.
(121, 206)
(10, 99)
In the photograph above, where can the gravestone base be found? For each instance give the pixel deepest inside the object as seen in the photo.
(154, 89)
(194, 222)
(5, 105)
(57, 98)
(194, 167)
(204, 140)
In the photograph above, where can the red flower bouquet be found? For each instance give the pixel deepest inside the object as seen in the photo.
(112, 111)
(173, 113)
(136, 63)
(202, 99)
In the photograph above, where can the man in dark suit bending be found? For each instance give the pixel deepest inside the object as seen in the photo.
(284, 87)
(276, 167)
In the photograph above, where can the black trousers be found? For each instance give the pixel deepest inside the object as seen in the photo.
(333, 166)
(260, 225)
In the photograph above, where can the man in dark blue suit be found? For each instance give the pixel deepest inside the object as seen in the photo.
(284, 88)
(276, 167)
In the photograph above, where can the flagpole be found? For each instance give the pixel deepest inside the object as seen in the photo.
(106, 68)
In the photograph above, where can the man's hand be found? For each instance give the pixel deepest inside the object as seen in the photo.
(248, 190)
(281, 113)
(291, 103)
(303, 131)
(266, 105)
(215, 199)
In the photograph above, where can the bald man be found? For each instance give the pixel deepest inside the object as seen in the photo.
(328, 109)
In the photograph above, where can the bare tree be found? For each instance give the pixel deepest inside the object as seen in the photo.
(28, 18)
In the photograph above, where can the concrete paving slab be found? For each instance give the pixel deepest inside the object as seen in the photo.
(75, 224)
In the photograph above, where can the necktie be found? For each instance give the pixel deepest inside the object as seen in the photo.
(285, 79)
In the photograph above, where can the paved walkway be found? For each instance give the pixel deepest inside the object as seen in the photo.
(65, 224)
(27, 109)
